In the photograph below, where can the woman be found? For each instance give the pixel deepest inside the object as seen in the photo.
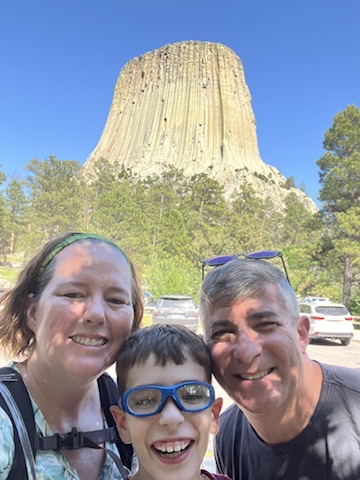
(73, 306)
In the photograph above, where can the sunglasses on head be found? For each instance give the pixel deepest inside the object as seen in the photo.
(261, 255)
(147, 400)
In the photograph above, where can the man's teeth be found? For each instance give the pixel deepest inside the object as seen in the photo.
(172, 447)
(91, 342)
(256, 376)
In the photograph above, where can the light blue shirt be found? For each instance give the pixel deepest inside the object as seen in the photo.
(49, 464)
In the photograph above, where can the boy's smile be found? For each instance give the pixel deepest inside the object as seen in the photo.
(171, 444)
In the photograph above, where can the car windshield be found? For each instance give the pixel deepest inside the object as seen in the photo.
(171, 303)
(329, 310)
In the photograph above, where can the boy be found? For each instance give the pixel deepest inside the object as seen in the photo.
(167, 407)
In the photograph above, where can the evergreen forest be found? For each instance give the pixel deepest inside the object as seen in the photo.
(169, 223)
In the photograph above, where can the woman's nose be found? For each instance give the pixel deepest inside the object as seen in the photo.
(171, 415)
(95, 311)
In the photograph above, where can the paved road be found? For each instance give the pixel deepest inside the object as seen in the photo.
(332, 352)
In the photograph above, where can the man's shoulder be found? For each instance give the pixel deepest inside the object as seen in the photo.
(343, 377)
(231, 418)
(232, 411)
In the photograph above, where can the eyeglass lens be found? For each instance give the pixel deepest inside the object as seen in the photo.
(146, 401)
(265, 254)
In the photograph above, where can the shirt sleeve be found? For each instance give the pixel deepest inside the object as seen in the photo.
(7, 445)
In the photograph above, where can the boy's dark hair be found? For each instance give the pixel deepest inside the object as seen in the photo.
(168, 343)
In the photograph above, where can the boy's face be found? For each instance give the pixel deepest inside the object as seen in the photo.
(182, 435)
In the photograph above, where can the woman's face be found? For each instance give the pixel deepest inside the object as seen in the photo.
(85, 312)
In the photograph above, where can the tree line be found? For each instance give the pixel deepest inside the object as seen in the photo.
(169, 223)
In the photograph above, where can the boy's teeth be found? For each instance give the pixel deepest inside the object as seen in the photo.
(172, 447)
(92, 342)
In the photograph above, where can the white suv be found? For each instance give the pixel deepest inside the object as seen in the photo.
(328, 320)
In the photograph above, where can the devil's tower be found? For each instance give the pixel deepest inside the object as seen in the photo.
(187, 104)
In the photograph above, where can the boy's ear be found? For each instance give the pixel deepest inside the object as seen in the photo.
(215, 412)
(121, 424)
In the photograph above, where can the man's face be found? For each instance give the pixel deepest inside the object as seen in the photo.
(257, 351)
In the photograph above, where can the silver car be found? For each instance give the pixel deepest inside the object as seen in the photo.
(176, 309)
(328, 320)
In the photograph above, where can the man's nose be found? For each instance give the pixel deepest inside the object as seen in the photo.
(171, 415)
(247, 346)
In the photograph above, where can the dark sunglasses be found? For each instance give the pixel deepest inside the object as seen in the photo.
(147, 400)
(262, 255)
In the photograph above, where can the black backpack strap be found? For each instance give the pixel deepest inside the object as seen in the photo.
(109, 396)
(14, 383)
(75, 439)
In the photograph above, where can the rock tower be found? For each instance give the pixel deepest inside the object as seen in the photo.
(187, 104)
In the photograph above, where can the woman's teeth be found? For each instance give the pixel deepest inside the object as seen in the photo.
(91, 342)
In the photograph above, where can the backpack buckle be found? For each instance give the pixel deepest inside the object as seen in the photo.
(61, 441)
(72, 440)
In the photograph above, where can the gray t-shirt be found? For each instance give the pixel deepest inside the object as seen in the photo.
(328, 448)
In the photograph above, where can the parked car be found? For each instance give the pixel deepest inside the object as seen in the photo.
(176, 309)
(315, 299)
(328, 320)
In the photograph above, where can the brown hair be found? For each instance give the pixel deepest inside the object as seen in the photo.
(16, 338)
(168, 343)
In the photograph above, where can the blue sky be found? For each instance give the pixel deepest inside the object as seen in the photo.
(60, 60)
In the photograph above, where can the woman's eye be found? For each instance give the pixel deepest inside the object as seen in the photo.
(118, 301)
(73, 295)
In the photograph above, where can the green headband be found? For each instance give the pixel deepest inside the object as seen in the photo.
(76, 237)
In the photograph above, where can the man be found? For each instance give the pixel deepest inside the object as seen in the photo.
(293, 418)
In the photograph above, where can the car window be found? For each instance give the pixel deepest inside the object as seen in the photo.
(304, 308)
(172, 303)
(329, 310)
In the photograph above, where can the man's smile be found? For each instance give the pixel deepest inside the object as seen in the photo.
(255, 376)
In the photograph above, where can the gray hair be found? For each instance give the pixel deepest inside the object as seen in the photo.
(244, 278)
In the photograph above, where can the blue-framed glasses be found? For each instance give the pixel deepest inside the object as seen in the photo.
(261, 255)
(147, 400)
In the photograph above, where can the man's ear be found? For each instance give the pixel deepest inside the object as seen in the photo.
(303, 328)
(121, 424)
(31, 312)
(215, 412)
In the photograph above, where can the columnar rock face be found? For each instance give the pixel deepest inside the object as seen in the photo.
(187, 104)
